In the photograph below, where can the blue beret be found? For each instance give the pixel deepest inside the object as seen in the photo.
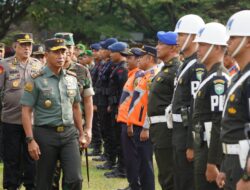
(105, 44)
(118, 47)
(95, 46)
(168, 38)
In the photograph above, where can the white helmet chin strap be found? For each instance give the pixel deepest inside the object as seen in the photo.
(207, 53)
(236, 51)
(185, 43)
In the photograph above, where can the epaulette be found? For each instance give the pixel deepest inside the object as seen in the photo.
(37, 74)
(71, 73)
(139, 73)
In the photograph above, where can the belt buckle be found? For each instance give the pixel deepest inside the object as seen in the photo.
(60, 129)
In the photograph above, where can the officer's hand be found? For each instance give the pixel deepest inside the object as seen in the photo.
(144, 135)
(109, 109)
(34, 150)
(130, 131)
(220, 180)
(88, 138)
(211, 172)
(243, 185)
(190, 154)
(95, 107)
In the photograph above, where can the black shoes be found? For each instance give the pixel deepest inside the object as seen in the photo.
(106, 166)
(116, 173)
(101, 158)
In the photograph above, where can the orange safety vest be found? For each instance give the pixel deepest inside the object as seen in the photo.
(126, 97)
(139, 103)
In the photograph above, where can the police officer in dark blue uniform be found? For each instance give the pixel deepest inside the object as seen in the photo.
(96, 128)
(117, 80)
(102, 107)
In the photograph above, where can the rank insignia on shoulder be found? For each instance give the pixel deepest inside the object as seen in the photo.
(165, 71)
(219, 86)
(71, 73)
(232, 110)
(158, 79)
(28, 86)
(232, 97)
(37, 74)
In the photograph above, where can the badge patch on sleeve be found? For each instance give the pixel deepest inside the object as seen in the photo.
(199, 73)
(219, 86)
(1, 69)
(28, 87)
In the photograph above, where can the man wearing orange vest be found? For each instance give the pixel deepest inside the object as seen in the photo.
(137, 119)
(134, 75)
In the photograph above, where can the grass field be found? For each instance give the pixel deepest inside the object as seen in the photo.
(97, 180)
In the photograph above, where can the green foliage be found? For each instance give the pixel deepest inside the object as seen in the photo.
(91, 19)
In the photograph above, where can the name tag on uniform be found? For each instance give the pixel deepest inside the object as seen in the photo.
(70, 82)
(13, 76)
(47, 91)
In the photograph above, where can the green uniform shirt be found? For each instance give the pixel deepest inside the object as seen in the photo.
(52, 98)
(162, 88)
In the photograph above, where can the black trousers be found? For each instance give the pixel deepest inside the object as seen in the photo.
(18, 166)
(200, 166)
(108, 134)
(161, 138)
(145, 153)
(96, 131)
(130, 158)
(183, 169)
(231, 166)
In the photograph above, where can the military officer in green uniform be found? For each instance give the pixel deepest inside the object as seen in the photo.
(14, 72)
(54, 98)
(208, 105)
(86, 91)
(160, 97)
(236, 112)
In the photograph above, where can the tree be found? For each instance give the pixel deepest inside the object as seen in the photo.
(12, 11)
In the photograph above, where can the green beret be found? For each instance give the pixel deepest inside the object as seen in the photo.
(68, 37)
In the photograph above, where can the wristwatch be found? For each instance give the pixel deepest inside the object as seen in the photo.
(29, 139)
(246, 176)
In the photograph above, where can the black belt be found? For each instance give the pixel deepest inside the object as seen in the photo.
(58, 129)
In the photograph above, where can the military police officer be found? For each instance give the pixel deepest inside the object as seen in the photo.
(160, 97)
(208, 105)
(14, 72)
(187, 81)
(236, 111)
(54, 98)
